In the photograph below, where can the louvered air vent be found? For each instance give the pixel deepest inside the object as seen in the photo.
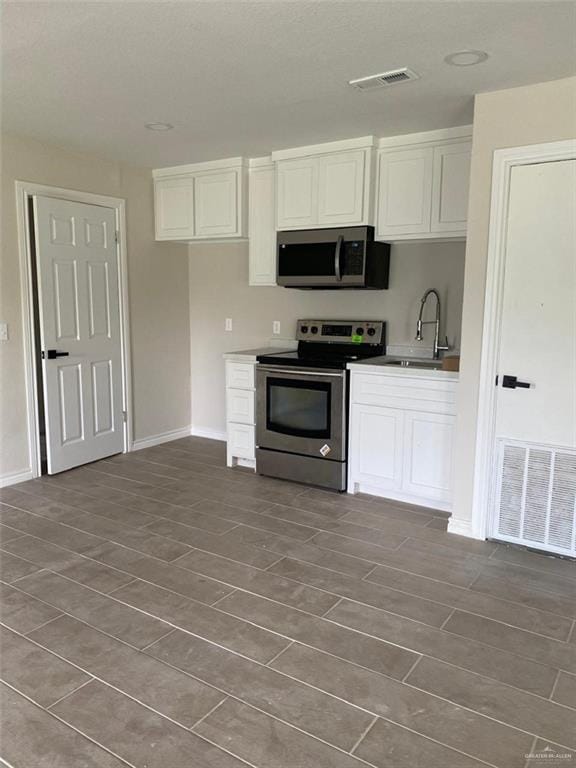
(536, 496)
(384, 78)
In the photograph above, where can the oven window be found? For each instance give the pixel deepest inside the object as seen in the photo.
(299, 408)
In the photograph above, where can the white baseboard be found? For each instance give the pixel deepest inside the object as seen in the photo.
(163, 437)
(211, 434)
(462, 528)
(16, 477)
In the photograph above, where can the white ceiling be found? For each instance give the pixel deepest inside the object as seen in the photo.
(246, 77)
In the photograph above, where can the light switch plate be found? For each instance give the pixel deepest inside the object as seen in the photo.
(228, 324)
(3, 331)
(276, 327)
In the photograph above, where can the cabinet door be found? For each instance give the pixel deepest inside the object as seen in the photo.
(341, 188)
(428, 448)
(297, 193)
(240, 406)
(216, 204)
(261, 227)
(451, 179)
(241, 443)
(404, 192)
(376, 448)
(174, 208)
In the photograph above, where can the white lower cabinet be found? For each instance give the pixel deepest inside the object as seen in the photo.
(402, 436)
(240, 413)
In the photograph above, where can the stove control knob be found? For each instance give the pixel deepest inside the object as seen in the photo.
(314, 329)
(359, 331)
(304, 329)
(371, 331)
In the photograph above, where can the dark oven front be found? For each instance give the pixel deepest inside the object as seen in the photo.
(302, 412)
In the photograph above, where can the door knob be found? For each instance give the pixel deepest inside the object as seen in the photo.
(511, 382)
(50, 354)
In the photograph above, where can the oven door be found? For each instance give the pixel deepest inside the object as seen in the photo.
(301, 411)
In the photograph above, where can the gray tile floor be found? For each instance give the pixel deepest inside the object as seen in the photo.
(162, 611)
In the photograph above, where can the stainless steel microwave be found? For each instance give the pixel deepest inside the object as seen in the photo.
(346, 257)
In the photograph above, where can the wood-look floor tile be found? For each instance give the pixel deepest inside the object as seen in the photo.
(264, 583)
(332, 720)
(536, 562)
(309, 552)
(525, 617)
(31, 736)
(13, 568)
(216, 544)
(468, 653)
(210, 623)
(532, 646)
(427, 715)
(135, 733)
(34, 672)
(99, 611)
(267, 743)
(496, 585)
(255, 519)
(367, 651)
(169, 692)
(69, 564)
(388, 746)
(173, 577)
(22, 612)
(363, 591)
(502, 702)
(565, 690)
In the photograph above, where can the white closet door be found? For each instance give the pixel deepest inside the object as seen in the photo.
(535, 494)
(77, 267)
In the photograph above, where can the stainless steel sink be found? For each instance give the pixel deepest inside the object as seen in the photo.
(435, 365)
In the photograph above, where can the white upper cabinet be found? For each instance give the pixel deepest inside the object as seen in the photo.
(262, 223)
(174, 207)
(298, 193)
(422, 185)
(325, 185)
(404, 192)
(341, 188)
(216, 204)
(451, 179)
(205, 201)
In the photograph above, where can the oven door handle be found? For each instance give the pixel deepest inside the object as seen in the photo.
(297, 372)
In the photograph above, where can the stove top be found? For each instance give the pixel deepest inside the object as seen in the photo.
(332, 344)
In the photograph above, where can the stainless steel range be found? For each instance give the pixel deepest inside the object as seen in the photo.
(302, 401)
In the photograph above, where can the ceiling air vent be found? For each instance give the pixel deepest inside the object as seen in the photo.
(384, 78)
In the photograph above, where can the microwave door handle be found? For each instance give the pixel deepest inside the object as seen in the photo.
(337, 257)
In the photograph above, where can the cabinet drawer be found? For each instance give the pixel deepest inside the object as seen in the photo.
(240, 406)
(401, 391)
(240, 375)
(241, 442)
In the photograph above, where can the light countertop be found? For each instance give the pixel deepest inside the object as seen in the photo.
(381, 365)
(250, 355)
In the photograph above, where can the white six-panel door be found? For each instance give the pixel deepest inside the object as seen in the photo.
(78, 297)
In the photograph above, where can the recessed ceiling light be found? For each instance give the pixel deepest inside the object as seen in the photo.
(466, 58)
(159, 126)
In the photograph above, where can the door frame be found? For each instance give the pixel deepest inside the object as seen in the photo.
(504, 161)
(24, 190)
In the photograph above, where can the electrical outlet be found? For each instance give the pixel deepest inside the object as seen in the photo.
(228, 324)
(276, 327)
(3, 331)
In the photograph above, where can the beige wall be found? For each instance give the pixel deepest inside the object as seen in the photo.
(219, 289)
(516, 117)
(157, 282)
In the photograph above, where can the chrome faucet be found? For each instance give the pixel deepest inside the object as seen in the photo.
(437, 347)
